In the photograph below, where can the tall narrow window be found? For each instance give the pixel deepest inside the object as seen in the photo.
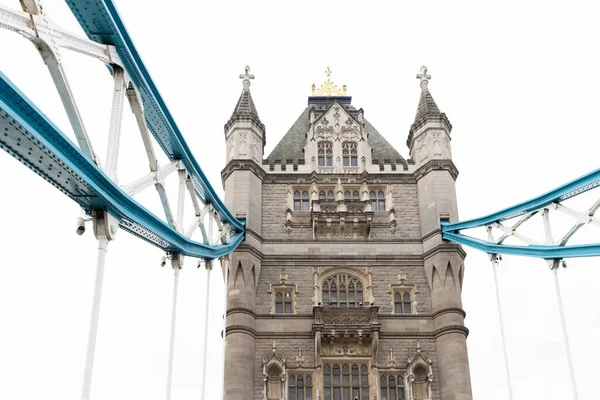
(342, 291)
(325, 154)
(297, 206)
(380, 201)
(373, 198)
(330, 195)
(321, 195)
(348, 381)
(392, 387)
(279, 303)
(402, 303)
(347, 195)
(355, 195)
(283, 302)
(305, 204)
(287, 303)
(349, 154)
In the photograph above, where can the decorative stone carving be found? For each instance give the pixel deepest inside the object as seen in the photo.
(346, 319)
(346, 349)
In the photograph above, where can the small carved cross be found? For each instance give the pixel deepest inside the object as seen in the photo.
(246, 76)
(424, 76)
(328, 72)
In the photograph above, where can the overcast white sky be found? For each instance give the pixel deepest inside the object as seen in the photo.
(518, 81)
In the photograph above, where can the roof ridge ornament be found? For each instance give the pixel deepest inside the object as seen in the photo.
(246, 76)
(424, 77)
(328, 88)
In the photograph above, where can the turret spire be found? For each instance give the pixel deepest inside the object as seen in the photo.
(427, 105)
(424, 77)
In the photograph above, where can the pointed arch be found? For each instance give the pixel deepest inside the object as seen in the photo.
(239, 278)
(449, 276)
(253, 276)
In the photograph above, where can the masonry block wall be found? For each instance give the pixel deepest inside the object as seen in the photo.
(343, 267)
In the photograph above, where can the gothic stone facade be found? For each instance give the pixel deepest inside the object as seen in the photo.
(343, 287)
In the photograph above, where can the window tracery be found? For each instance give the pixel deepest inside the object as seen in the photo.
(350, 154)
(300, 387)
(342, 290)
(325, 154)
(343, 381)
(377, 201)
(283, 295)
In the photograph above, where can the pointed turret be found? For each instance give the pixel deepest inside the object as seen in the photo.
(429, 136)
(244, 132)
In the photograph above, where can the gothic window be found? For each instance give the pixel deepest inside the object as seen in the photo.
(402, 302)
(347, 195)
(342, 291)
(300, 387)
(392, 387)
(345, 381)
(373, 198)
(283, 303)
(325, 153)
(321, 195)
(349, 154)
(330, 195)
(420, 385)
(297, 205)
(305, 204)
(355, 195)
(380, 201)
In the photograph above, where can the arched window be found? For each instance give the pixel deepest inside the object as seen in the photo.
(347, 195)
(392, 387)
(380, 201)
(300, 387)
(402, 303)
(342, 291)
(305, 204)
(349, 154)
(355, 195)
(321, 195)
(348, 381)
(274, 384)
(330, 195)
(373, 198)
(279, 303)
(325, 154)
(297, 205)
(420, 388)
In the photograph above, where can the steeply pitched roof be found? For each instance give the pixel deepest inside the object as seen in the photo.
(245, 110)
(426, 106)
(291, 146)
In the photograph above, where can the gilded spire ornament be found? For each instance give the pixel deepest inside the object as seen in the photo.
(328, 88)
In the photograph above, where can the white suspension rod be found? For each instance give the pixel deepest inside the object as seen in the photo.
(208, 264)
(116, 118)
(226, 278)
(564, 328)
(176, 267)
(495, 263)
(91, 347)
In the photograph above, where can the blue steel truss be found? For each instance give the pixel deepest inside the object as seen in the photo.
(451, 231)
(29, 136)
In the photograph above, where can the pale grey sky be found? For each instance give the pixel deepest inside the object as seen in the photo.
(518, 81)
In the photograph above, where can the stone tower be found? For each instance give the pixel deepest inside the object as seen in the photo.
(343, 287)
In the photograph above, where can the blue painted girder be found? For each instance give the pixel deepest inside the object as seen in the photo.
(101, 23)
(29, 136)
(451, 231)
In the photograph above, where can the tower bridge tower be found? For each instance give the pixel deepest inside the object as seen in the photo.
(343, 287)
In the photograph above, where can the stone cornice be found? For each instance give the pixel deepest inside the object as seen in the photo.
(446, 330)
(240, 310)
(240, 329)
(242, 165)
(436, 165)
(308, 178)
(450, 310)
(446, 248)
(440, 118)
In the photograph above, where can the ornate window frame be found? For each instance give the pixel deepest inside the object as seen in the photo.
(346, 379)
(396, 374)
(363, 277)
(401, 288)
(283, 287)
(306, 377)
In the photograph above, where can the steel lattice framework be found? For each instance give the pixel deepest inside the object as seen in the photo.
(549, 203)
(29, 136)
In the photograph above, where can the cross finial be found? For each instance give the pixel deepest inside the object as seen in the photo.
(424, 77)
(328, 72)
(246, 76)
